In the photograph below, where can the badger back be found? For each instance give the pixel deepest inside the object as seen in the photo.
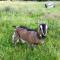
(28, 36)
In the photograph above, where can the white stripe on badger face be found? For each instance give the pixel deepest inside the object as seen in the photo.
(41, 28)
(46, 27)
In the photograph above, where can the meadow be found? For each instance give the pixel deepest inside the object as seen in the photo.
(27, 14)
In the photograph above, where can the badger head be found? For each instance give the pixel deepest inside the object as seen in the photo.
(43, 29)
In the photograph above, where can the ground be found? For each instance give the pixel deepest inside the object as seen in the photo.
(27, 14)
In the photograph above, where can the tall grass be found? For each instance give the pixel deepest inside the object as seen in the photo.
(27, 14)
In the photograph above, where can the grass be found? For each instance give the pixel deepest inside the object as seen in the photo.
(27, 14)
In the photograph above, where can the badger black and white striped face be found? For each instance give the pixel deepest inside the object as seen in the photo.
(43, 29)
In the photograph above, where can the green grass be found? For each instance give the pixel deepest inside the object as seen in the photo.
(27, 14)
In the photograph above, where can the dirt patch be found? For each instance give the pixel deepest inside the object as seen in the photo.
(52, 15)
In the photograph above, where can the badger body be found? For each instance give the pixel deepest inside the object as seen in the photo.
(29, 36)
(25, 35)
